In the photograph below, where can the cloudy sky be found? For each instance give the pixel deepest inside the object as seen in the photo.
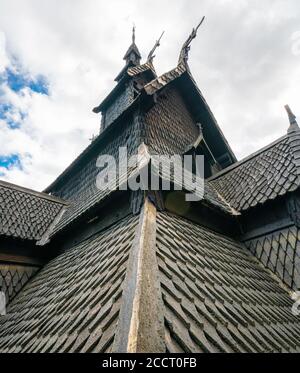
(58, 59)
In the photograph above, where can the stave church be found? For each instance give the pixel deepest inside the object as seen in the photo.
(90, 270)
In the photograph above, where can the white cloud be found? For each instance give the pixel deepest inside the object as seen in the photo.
(4, 61)
(242, 61)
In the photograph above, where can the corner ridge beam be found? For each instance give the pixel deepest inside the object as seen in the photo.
(141, 321)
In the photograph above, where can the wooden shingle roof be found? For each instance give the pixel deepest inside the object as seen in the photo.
(72, 305)
(27, 214)
(154, 281)
(212, 295)
(265, 175)
(217, 296)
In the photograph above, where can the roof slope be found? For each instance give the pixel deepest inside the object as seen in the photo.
(72, 305)
(81, 203)
(217, 297)
(81, 190)
(88, 200)
(90, 196)
(26, 214)
(263, 176)
(211, 293)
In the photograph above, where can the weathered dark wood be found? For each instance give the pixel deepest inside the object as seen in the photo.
(140, 327)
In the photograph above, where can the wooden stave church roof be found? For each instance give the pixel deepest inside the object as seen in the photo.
(227, 332)
(216, 297)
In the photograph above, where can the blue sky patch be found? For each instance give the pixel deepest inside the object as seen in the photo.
(6, 112)
(17, 81)
(4, 109)
(39, 85)
(13, 124)
(10, 161)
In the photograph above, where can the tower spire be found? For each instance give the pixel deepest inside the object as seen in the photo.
(133, 56)
(133, 34)
(292, 119)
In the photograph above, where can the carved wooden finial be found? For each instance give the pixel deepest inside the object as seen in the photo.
(156, 45)
(183, 57)
(292, 119)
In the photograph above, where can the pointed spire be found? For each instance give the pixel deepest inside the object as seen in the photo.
(133, 56)
(133, 34)
(184, 53)
(292, 118)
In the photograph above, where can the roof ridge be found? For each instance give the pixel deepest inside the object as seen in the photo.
(233, 210)
(42, 195)
(141, 318)
(179, 69)
(147, 63)
(247, 158)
